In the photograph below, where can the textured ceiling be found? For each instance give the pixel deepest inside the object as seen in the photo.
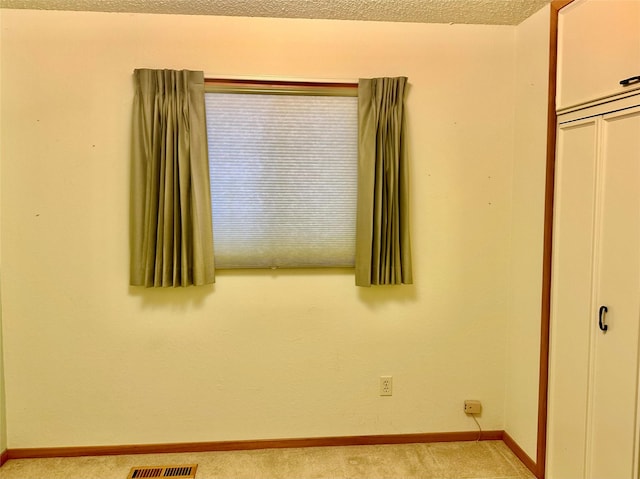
(485, 12)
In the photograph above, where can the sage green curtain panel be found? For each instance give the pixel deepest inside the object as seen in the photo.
(171, 225)
(383, 247)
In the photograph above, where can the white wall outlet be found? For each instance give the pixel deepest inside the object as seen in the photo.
(386, 385)
(472, 407)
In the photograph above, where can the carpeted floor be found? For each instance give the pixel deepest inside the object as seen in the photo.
(454, 460)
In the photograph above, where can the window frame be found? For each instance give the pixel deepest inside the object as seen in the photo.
(280, 87)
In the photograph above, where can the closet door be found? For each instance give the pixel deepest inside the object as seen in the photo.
(612, 444)
(598, 46)
(574, 213)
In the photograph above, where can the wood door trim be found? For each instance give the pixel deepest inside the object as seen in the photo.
(543, 386)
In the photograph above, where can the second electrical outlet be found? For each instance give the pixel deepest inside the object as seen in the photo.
(386, 385)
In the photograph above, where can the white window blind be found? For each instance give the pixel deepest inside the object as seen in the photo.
(283, 179)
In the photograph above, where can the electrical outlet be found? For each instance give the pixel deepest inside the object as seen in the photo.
(472, 407)
(386, 385)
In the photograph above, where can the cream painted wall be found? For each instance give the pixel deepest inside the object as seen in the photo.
(3, 410)
(523, 345)
(3, 417)
(91, 361)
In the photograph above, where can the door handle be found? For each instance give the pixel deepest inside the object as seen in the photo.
(630, 81)
(603, 310)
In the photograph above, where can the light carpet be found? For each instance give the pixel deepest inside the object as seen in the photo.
(452, 460)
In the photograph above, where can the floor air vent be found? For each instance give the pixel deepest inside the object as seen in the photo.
(179, 472)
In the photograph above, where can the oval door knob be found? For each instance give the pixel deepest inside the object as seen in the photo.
(603, 310)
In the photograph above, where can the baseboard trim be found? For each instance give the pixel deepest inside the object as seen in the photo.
(49, 452)
(520, 454)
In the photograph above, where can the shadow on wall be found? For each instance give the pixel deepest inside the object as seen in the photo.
(172, 298)
(195, 296)
(377, 296)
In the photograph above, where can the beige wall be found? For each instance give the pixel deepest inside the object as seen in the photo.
(3, 420)
(90, 361)
(523, 345)
(3, 410)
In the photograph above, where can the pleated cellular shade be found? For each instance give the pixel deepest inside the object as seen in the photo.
(283, 179)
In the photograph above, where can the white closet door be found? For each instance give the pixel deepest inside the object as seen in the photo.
(574, 212)
(598, 45)
(612, 446)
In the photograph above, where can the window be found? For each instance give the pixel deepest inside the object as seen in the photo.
(283, 169)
